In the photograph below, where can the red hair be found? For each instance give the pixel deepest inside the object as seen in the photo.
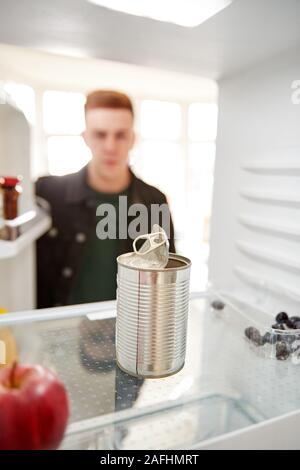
(108, 99)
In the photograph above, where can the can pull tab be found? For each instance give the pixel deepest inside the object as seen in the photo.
(154, 253)
(155, 240)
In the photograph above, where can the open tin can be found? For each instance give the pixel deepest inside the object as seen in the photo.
(152, 314)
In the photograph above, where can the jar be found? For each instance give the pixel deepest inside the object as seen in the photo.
(11, 191)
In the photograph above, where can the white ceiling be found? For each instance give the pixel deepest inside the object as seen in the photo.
(246, 32)
(42, 70)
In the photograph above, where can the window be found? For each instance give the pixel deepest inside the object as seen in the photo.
(202, 131)
(66, 154)
(63, 122)
(177, 156)
(201, 157)
(24, 98)
(160, 120)
(161, 163)
(174, 151)
(63, 112)
(159, 154)
(202, 125)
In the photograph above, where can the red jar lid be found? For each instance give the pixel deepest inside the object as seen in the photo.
(9, 181)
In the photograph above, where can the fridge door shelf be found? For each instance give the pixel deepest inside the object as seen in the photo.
(17, 234)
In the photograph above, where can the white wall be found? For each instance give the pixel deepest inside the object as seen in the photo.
(257, 178)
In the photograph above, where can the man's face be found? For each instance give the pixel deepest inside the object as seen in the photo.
(109, 135)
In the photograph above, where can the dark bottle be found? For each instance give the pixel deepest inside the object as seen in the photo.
(11, 191)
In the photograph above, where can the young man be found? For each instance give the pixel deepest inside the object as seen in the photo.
(74, 265)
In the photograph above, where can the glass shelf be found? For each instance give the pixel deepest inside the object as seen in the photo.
(226, 384)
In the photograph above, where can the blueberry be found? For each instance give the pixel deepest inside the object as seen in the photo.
(296, 325)
(281, 317)
(270, 338)
(278, 326)
(293, 319)
(295, 322)
(289, 323)
(217, 304)
(254, 335)
(282, 351)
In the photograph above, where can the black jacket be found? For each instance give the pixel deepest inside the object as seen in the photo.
(60, 250)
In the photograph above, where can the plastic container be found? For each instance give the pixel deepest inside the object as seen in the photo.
(261, 334)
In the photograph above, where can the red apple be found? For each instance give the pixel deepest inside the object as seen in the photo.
(34, 408)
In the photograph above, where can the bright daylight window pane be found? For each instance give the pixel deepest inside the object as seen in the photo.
(63, 112)
(201, 157)
(24, 98)
(200, 183)
(202, 121)
(160, 120)
(66, 154)
(162, 165)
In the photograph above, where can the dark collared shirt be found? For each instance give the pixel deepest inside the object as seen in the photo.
(61, 250)
(97, 275)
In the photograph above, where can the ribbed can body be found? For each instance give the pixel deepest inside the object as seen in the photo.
(152, 313)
